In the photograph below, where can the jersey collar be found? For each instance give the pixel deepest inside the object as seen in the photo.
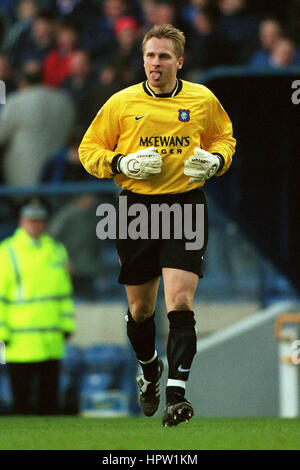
(150, 92)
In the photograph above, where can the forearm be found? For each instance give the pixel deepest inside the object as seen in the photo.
(97, 162)
(95, 157)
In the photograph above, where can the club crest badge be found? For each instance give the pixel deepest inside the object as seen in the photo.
(184, 115)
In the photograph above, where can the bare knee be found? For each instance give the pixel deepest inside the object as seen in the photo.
(180, 287)
(181, 301)
(141, 310)
(142, 299)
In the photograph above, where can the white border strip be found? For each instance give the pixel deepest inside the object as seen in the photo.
(246, 324)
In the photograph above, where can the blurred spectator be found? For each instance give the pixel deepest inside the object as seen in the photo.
(66, 7)
(208, 48)
(26, 12)
(65, 167)
(76, 9)
(112, 10)
(100, 38)
(78, 83)
(107, 83)
(147, 7)
(188, 12)
(6, 74)
(37, 42)
(56, 67)
(8, 11)
(36, 311)
(74, 226)
(126, 30)
(110, 78)
(127, 56)
(238, 27)
(65, 164)
(34, 123)
(127, 73)
(269, 31)
(162, 12)
(80, 12)
(3, 26)
(297, 22)
(284, 53)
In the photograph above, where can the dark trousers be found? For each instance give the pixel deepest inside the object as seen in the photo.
(34, 387)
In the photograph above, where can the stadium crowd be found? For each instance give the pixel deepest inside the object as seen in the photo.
(91, 48)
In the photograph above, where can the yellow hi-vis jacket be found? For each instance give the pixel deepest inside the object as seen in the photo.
(36, 306)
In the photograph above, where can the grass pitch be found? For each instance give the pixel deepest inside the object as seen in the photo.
(78, 433)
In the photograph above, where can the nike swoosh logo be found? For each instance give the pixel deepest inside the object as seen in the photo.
(137, 118)
(180, 369)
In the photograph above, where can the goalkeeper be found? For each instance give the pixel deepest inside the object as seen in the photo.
(161, 140)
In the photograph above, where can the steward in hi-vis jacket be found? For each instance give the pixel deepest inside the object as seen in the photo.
(36, 309)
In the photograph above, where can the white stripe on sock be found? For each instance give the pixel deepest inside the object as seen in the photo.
(150, 360)
(176, 383)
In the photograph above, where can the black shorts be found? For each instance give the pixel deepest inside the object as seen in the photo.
(142, 259)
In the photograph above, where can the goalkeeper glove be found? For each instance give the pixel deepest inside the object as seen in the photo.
(141, 164)
(202, 165)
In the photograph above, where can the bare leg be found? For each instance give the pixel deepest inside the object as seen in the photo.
(142, 299)
(180, 287)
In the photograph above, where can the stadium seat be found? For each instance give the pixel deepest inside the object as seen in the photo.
(72, 363)
(107, 358)
(70, 377)
(101, 382)
(5, 392)
(93, 383)
(128, 383)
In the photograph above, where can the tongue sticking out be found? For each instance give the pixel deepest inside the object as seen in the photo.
(155, 75)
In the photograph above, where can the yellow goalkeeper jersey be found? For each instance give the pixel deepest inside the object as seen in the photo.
(175, 123)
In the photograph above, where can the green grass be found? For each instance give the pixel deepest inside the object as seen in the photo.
(78, 433)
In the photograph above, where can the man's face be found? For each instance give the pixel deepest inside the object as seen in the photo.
(161, 64)
(34, 227)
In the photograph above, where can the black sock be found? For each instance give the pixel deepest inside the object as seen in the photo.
(142, 338)
(177, 391)
(182, 343)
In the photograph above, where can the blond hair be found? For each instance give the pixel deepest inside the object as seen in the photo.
(166, 31)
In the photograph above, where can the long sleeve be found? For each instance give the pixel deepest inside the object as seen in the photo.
(66, 303)
(97, 148)
(217, 137)
(5, 281)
